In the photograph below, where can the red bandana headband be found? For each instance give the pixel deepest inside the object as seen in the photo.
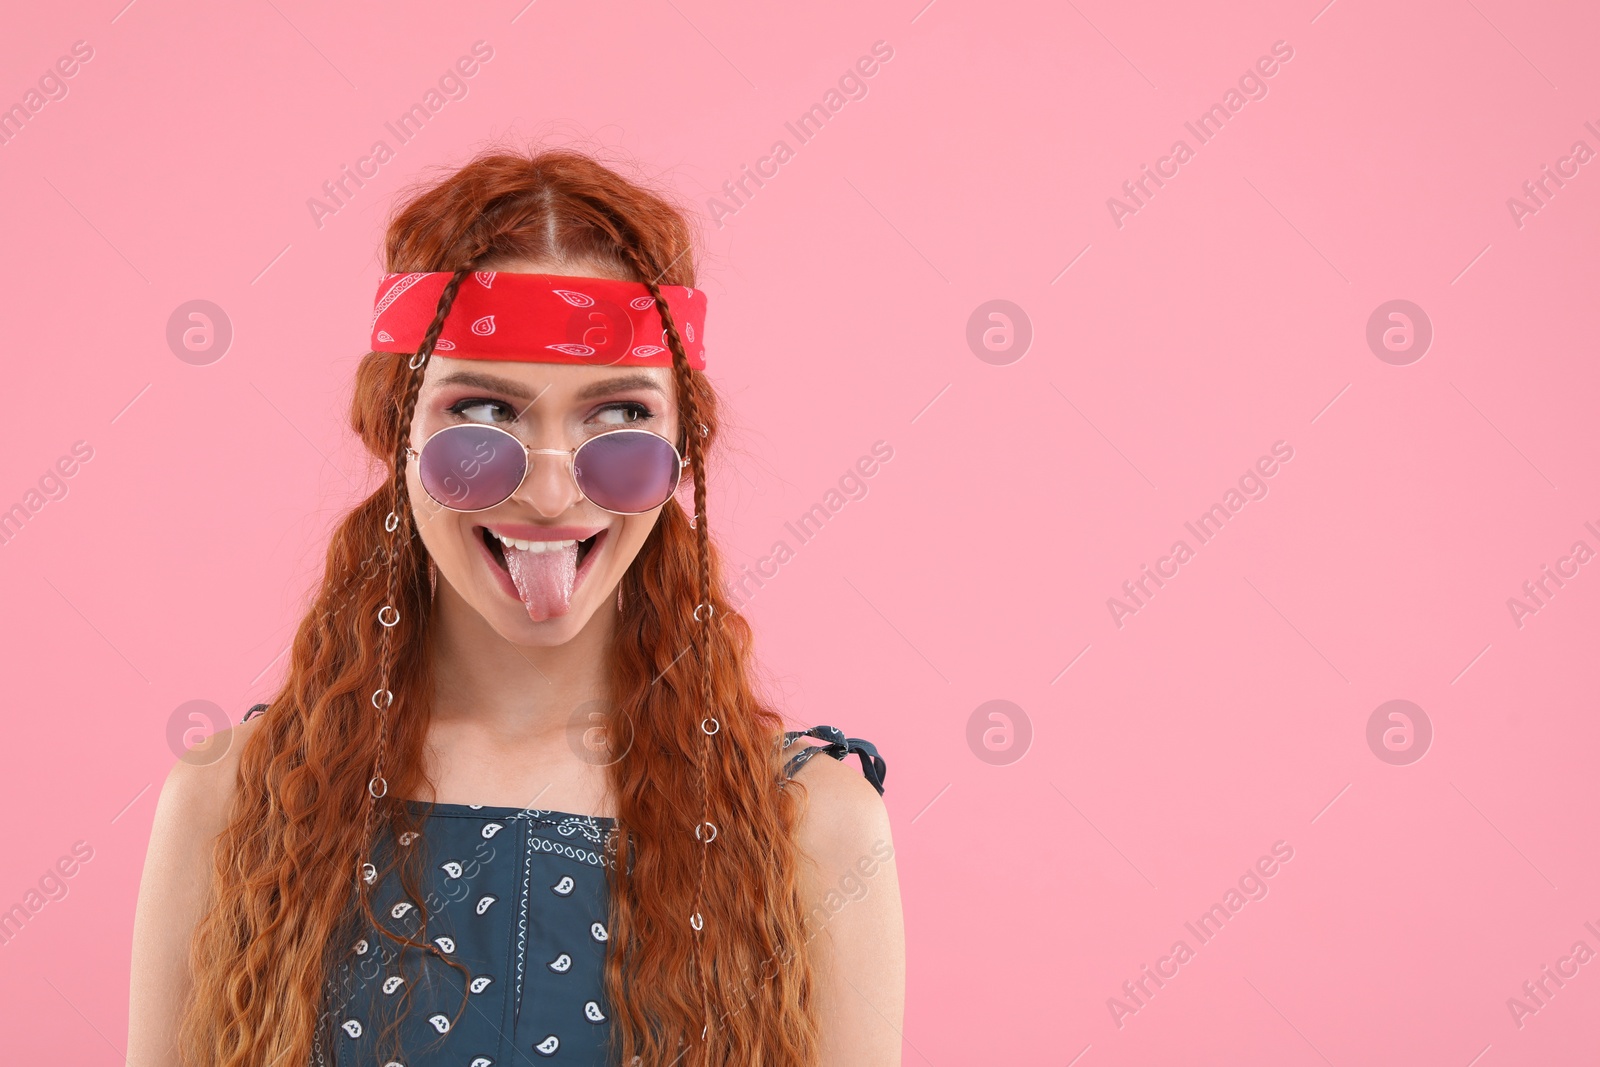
(539, 318)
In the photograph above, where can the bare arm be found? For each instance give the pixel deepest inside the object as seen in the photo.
(856, 926)
(190, 813)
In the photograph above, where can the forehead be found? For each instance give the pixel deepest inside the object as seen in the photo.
(528, 380)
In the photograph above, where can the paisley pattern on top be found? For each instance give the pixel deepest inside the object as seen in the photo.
(516, 895)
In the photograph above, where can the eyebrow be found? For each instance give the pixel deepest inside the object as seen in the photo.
(518, 390)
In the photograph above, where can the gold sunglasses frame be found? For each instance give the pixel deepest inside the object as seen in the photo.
(415, 455)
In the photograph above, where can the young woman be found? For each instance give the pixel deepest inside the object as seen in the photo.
(518, 799)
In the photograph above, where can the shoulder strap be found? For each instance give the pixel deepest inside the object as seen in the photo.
(838, 746)
(253, 712)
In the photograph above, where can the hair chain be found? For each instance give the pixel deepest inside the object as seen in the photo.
(705, 831)
(389, 614)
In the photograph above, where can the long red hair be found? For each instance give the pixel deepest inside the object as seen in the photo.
(284, 884)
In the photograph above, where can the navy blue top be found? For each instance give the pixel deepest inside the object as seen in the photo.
(517, 895)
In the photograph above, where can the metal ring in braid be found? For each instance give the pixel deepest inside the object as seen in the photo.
(389, 615)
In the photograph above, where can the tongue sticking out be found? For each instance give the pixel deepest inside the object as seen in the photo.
(544, 580)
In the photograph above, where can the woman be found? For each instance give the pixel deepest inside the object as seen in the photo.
(388, 864)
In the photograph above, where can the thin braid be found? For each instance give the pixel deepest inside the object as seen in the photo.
(408, 404)
(400, 513)
(695, 446)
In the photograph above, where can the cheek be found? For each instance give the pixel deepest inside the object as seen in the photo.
(635, 531)
(433, 521)
(424, 512)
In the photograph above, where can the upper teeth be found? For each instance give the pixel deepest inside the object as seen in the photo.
(535, 546)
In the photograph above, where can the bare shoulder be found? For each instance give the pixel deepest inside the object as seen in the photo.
(843, 814)
(199, 788)
(855, 926)
(191, 811)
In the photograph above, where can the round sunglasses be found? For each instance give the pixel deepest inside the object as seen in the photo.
(474, 466)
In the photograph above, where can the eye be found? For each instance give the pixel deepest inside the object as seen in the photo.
(624, 409)
(482, 409)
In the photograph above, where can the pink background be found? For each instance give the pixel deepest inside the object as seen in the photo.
(1230, 312)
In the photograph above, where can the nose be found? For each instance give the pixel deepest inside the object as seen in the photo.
(551, 487)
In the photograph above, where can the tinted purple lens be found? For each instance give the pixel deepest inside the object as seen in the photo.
(470, 468)
(627, 470)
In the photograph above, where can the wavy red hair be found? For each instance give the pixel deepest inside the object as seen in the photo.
(284, 890)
